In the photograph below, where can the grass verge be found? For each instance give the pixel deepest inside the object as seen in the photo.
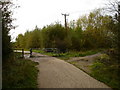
(68, 55)
(19, 73)
(106, 69)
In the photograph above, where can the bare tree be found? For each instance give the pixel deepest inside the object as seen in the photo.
(113, 7)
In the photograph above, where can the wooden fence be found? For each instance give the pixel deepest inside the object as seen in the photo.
(20, 50)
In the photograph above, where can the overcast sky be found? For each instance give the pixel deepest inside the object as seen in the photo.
(45, 12)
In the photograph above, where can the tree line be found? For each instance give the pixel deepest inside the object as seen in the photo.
(92, 31)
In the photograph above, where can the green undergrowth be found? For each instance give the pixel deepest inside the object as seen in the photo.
(19, 73)
(105, 69)
(68, 55)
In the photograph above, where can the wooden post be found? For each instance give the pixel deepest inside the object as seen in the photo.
(65, 20)
(22, 53)
(31, 52)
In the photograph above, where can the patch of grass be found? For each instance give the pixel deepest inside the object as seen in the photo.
(69, 54)
(38, 51)
(106, 72)
(19, 73)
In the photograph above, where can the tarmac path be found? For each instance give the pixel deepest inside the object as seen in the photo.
(56, 73)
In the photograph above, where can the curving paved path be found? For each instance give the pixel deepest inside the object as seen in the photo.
(56, 73)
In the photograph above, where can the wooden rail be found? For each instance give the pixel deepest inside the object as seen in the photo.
(21, 50)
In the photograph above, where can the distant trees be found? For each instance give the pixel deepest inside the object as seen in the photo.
(34, 40)
(88, 32)
(96, 29)
(20, 41)
(53, 36)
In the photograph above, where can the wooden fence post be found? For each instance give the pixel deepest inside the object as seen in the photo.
(22, 53)
(31, 52)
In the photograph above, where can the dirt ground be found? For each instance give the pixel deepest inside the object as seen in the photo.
(84, 62)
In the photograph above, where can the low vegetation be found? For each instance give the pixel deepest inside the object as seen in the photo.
(69, 54)
(19, 73)
(106, 70)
